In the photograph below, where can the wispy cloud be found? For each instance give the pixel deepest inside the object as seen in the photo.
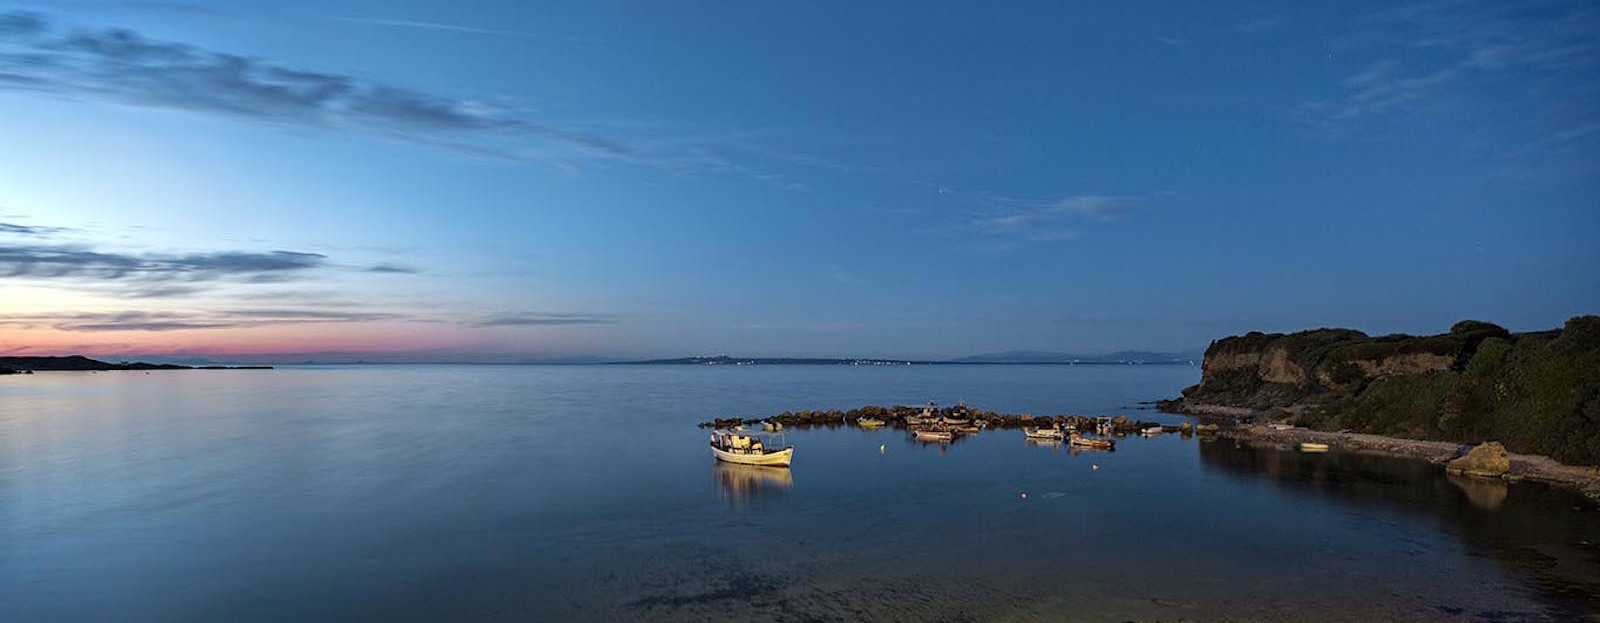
(1379, 88)
(1045, 220)
(162, 292)
(461, 29)
(127, 67)
(1431, 51)
(62, 262)
(96, 322)
(59, 261)
(124, 66)
(524, 319)
(30, 230)
(392, 269)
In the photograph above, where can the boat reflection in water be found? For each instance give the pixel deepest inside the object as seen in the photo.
(940, 446)
(741, 484)
(1056, 445)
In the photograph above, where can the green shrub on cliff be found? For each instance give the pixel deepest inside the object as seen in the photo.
(1400, 405)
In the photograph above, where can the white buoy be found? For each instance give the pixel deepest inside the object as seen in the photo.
(1094, 467)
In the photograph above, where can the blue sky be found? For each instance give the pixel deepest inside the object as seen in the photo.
(499, 180)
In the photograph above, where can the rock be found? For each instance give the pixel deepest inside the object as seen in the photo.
(1119, 420)
(1186, 427)
(1488, 460)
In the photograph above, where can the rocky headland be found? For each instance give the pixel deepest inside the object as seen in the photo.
(1535, 396)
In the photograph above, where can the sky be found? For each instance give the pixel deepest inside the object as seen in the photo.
(505, 180)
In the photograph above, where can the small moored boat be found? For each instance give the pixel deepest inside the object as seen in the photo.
(1043, 433)
(1093, 444)
(1151, 431)
(1313, 447)
(750, 448)
(869, 422)
(933, 434)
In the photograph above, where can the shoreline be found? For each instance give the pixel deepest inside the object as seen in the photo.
(1534, 467)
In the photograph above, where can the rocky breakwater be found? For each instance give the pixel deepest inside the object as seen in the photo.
(900, 416)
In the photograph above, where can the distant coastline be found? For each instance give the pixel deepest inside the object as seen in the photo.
(1009, 358)
(79, 363)
(16, 365)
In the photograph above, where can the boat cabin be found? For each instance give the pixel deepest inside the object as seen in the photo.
(745, 442)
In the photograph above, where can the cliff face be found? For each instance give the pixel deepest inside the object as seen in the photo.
(1538, 392)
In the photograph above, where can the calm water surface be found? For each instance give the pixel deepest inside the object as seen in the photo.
(531, 493)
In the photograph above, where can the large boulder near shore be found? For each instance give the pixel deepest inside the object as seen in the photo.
(1488, 460)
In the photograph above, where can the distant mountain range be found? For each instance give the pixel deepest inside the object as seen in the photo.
(1008, 357)
(1042, 356)
(78, 362)
(724, 360)
(81, 363)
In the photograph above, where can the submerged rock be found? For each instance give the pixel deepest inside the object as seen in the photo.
(1488, 460)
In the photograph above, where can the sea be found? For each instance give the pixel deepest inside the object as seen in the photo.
(588, 493)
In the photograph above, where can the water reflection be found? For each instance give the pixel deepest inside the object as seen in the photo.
(1556, 552)
(1056, 445)
(1482, 492)
(742, 484)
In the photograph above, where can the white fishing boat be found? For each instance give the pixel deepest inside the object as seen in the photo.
(1151, 431)
(1044, 433)
(870, 422)
(933, 433)
(751, 448)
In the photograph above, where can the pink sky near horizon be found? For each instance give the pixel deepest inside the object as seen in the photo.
(269, 340)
